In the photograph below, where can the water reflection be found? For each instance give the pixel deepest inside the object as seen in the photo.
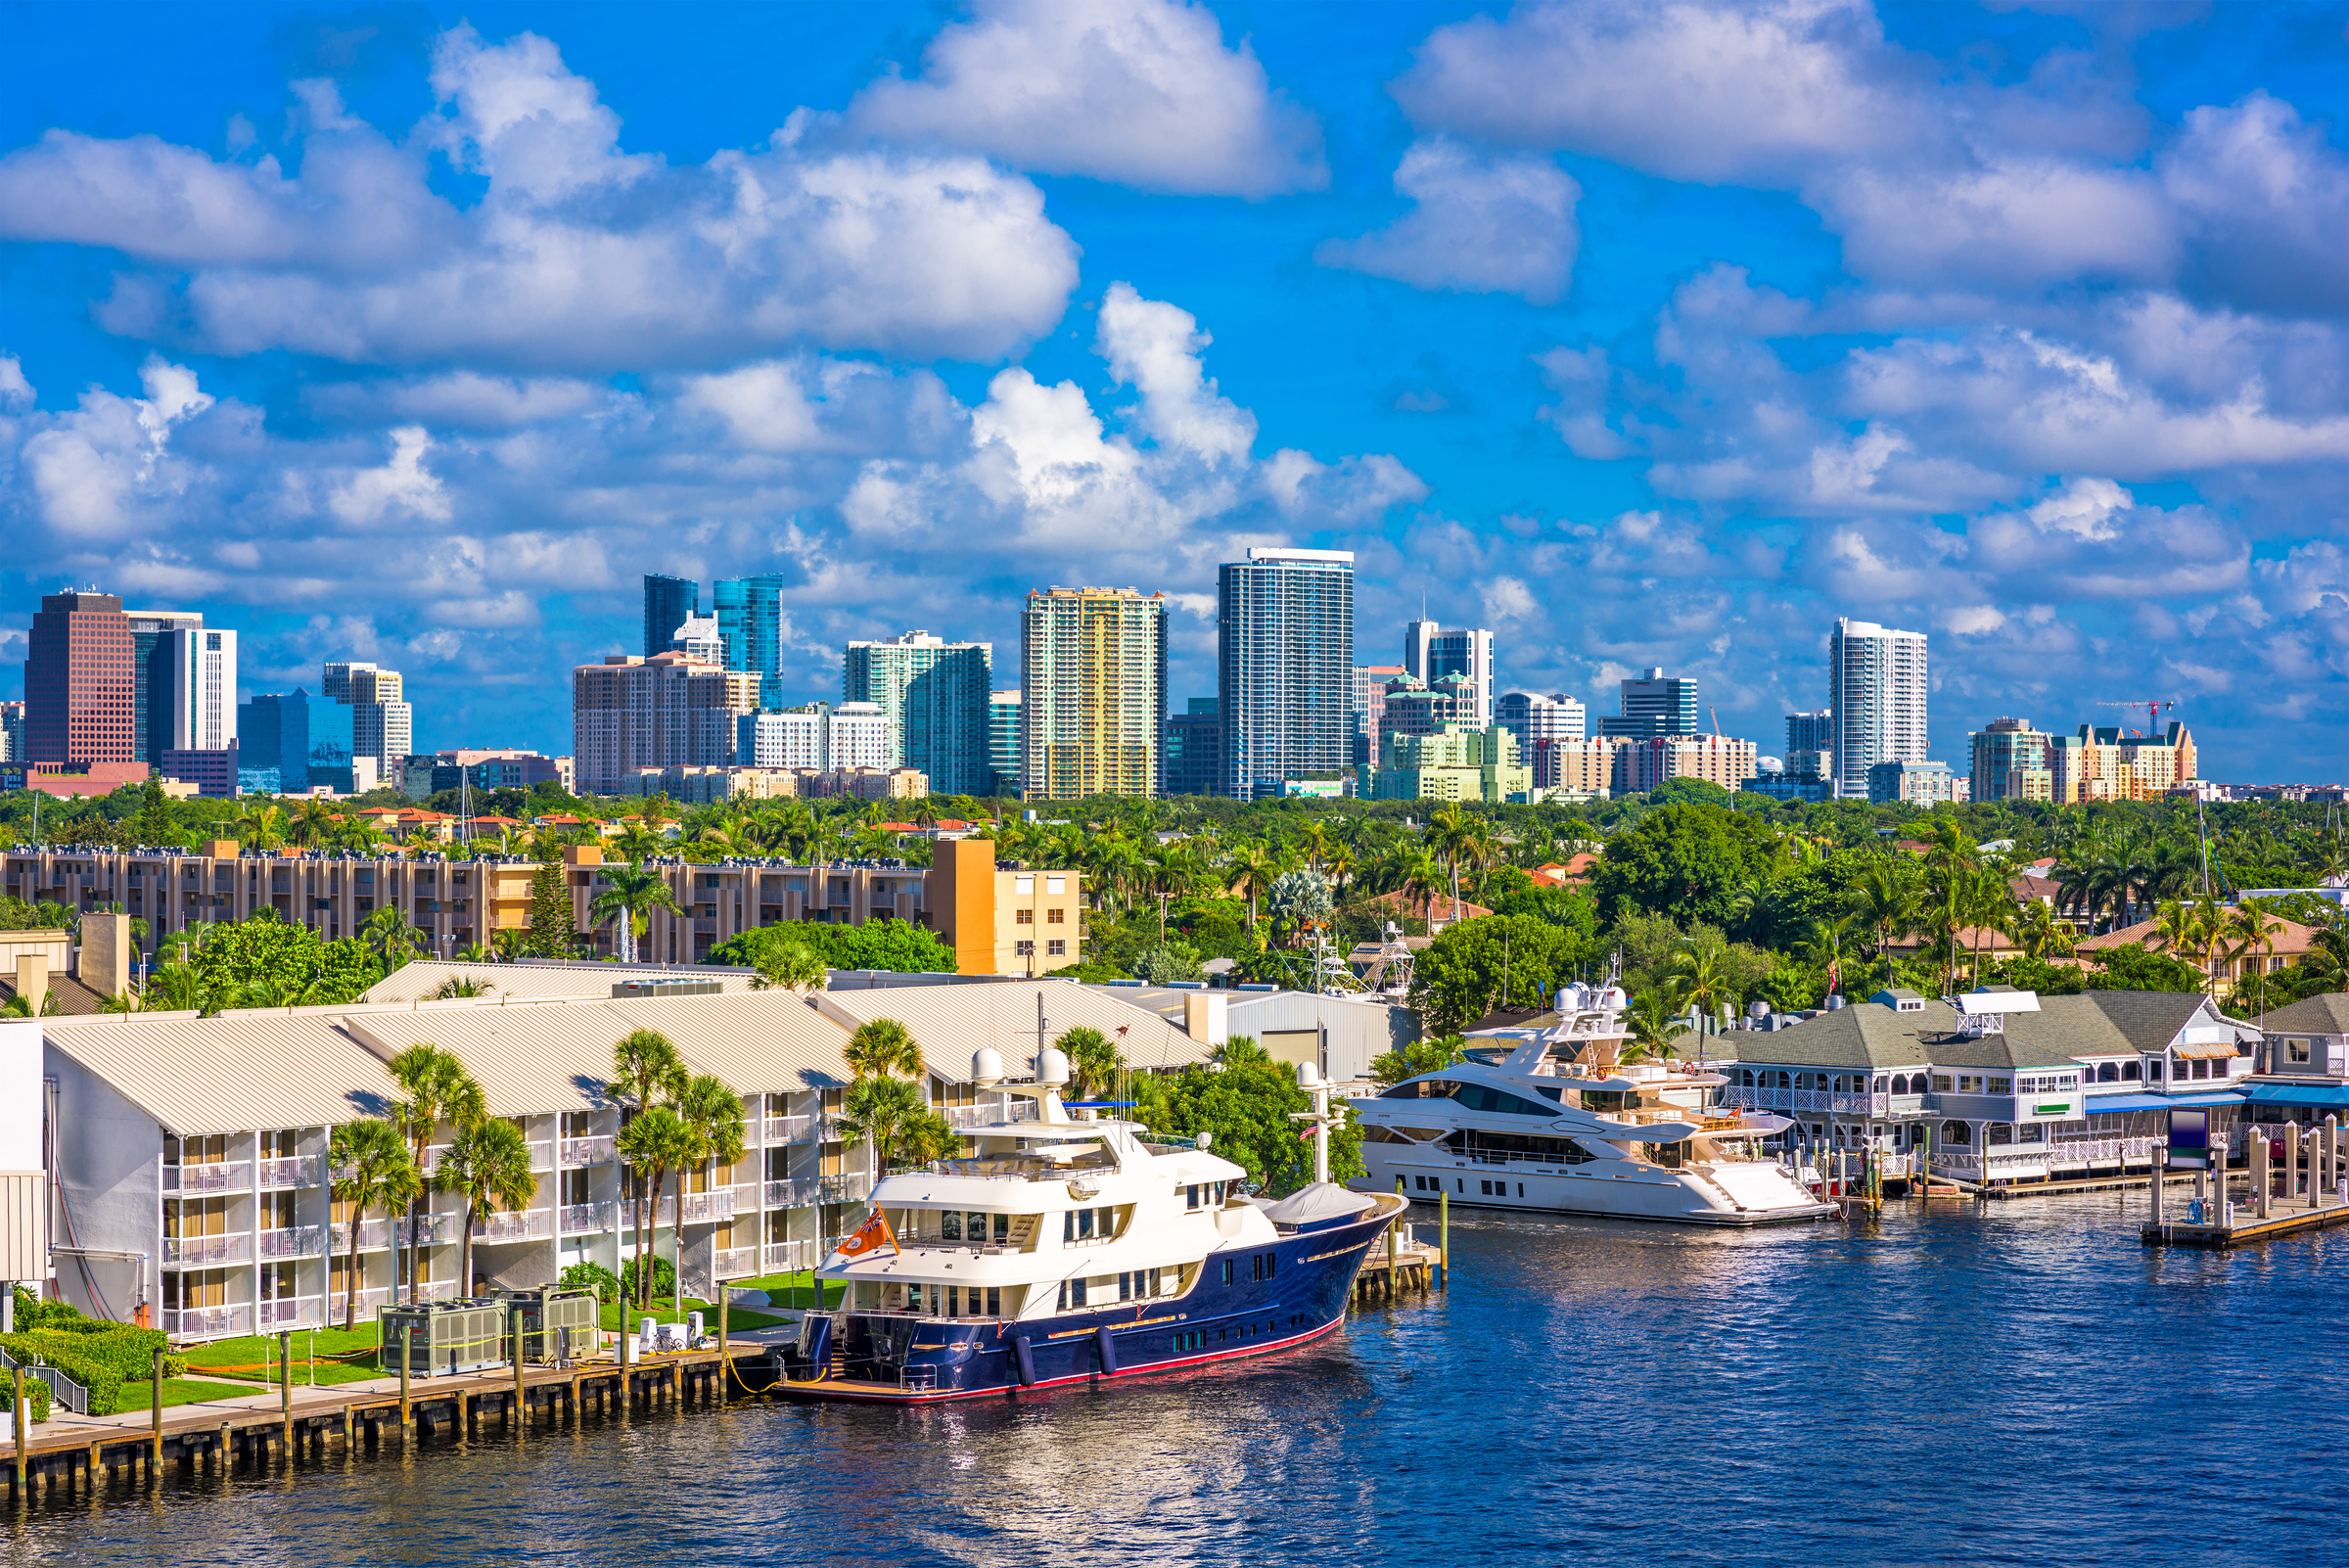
(2020, 1382)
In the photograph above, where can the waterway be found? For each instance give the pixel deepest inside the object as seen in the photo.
(2018, 1382)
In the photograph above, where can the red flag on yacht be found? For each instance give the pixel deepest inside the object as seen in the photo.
(869, 1236)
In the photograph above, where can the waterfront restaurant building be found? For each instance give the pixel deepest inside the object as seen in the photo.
(2025, 1096)
(189, 1174)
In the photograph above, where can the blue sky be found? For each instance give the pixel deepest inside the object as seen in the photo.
(1642, 334)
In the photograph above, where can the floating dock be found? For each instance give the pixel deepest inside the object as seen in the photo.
(2296, 1184)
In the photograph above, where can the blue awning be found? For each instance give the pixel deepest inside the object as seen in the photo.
(2110, 1104)
(2297, 1093)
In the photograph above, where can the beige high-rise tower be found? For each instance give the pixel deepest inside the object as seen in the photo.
(1092, 692)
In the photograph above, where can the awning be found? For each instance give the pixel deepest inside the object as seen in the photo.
(2209, 1052)
(2112, 1104)
(2297, 1093)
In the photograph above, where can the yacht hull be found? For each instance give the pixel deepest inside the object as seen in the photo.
(1644, 1193)
(896, 1360)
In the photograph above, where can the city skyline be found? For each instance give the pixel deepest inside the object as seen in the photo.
(1645, 376)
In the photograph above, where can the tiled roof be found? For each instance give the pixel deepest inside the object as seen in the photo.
(2288, 936)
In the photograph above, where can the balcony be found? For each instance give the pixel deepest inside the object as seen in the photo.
(374, 1236)
(206, 1323)
(298, 1171)
(789, 1257)
(736, 1262)
(1790, 1099)
(291, 1312)
(293, 1241)
(221, 1175)
(518, 1225)
(205, 1252)
(780, 1130)
(543, 1155)
(700, 1209)
(587, 1219)
(433, 1230)
(853, 1188)
(585, 1151)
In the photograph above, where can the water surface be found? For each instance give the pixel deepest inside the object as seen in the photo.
(2019, 1382)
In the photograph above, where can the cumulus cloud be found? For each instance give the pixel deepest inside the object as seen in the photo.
(577, 257)
(1142, 92)
(102, 471)
(1481, 224)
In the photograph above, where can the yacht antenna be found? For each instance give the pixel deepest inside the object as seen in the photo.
(1320, 1121)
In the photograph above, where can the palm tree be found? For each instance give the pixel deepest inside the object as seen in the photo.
(629, 896)
(1419, 874)
(656, 1142)
(1653, 1024)
(882, 1111)
(393, 938)
(376, 1169)
(489, 1167)
(788, 963)
(1696, 973)
(636, 842)
(262, 825)
(2252, 933)
(883, 1048)
(437, 1089)
(1249, 870)
(646, 1067)
(456, 986)
(1452, 835)
(713, 1116)
(312, 824)
(1882, 897)
(1094, 1061)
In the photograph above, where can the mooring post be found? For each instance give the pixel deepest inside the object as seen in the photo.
(155, 1463)
(2161, 1160)
(522, 1410)
(285, 1389)
(17, 1413)
(1443, 1236)
(406, 1415)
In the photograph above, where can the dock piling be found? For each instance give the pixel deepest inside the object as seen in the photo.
(404, 1413)
(1443, 1236)
(522, 1408)
(154, 1466)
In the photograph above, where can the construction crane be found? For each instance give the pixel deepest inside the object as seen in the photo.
(2152, 707)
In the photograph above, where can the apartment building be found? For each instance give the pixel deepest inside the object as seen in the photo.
(1430, 653)
(935, 696)
(1876, 690)
(1003, 742)
(1284, 667)
(818, 735)
(667, 710)
(1458, 762)
(2106, 762)
(202, 1202)
(1195, 748)
(1093, 693)
(1370, 707)
(2010, 761)
(702, 786)
(382, 724)
(1907, 783)
(1641, 766)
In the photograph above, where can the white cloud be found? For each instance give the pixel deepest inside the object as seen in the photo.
(1482, 223)
(100, 472)
(402, 489)
(1141, 92)
(577, 255)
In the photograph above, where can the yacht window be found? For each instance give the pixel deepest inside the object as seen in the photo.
(1227, 1270)
(1190, 1196)
(1547, 1092)
(974, 1227)
(950, 1227)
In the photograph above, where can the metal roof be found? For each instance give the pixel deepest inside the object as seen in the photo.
(418, 980)
(230, 1073)
(2296, 1093)
(950, 1022)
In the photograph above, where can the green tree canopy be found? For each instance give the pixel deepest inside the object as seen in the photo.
(1478, 965)
(1244, 1099)
(897, 946)
(1685, 861)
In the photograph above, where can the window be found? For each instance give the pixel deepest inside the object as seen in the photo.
(2108, 1073)
(1056, 884)
(1023, 917)
(2153, 1072)
(2296, 1051)
(2202, 1067)
(1899, 1083)
(1022, 885)
(2030, 1132)
(2001, 1085)
(2130, 1072)
(1190, 1196)
(1227, 1270)
(1056, 917)
(1056, 949)
(1025, 950)
(1941, 1082)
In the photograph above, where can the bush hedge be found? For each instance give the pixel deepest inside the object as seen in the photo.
(102, 1357)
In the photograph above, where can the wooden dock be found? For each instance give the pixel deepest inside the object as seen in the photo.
(2219, 1236)
(69, 1455)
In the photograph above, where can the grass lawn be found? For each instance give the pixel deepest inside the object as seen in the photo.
(620, 1319)
(255, 1348)
(180, 1391)
(795, 1289)
(322, 1373)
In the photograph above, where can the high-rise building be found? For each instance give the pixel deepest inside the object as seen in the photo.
(1093, 693)
(273, 742)
(2106, 762)
(2011, 762)
(1905, 781)
(668, 711)
(1653, 704)
(697, 637)
(1456, 762)
(816, 735)
(203, 690)
(1876, 691)
(12, 732)
(1285, 668)
(1811, 743)
(81, 681)
(1195, 748)
(1412, 707)
(1003, 741)
(1645, 764)
(934, 693)
(154, 652)
(382, 724)
(1432, 653)
(668, 603)
(1534, 719)
(1369, 706)
(750, 618)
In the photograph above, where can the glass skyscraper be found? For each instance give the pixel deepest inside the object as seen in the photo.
(934, 693)
(1003, 740)
(668, 602)
(1285, 668)
(750, 618)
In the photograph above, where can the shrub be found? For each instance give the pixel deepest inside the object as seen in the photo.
(102, 1357)
(594, 1277)
(665, 1280)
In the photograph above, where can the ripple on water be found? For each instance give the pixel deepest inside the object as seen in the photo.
(2018, 1383)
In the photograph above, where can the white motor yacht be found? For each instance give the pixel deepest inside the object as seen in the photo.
(1553, 1120)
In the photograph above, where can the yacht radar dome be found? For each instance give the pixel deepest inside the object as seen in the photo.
(987, 1066)
(1051, 1067)
(1308, 1076)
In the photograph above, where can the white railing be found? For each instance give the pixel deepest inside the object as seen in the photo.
(789, 1257)
(701, 1208)
(201, 1252)
(296, 1171)
(963, 1117)
(206, 1323)
(434, 1154)
(801, 1192)
(433, 1230)
(851, 1188)
(514, 1225)
(2032, 1159)
(293, 1241)
(586, 1151)
(542, 1154)
(291, 1312)
(374, 1236)
(737, 1263)
(221, 1175)
(1794, 1099)
(789, 1129)
(587, 1219)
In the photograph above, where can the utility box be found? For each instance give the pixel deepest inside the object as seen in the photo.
(547, 1310)
(447, 1337)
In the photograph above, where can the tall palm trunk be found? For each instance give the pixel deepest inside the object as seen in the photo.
(416, 1222)
(676, 1240)
(351, 1279)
